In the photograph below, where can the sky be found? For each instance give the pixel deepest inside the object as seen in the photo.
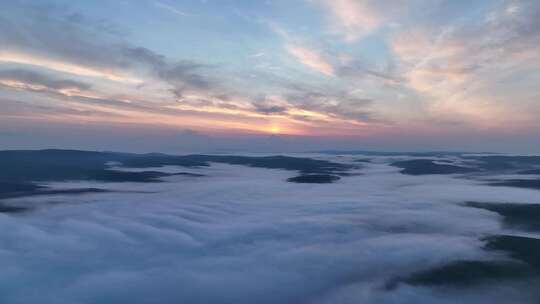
(302, 75)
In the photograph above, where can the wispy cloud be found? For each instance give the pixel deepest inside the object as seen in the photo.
(66, 67)
(31, 79)
(352, 18)
(459, 73)
(311, 59)
(171, 9)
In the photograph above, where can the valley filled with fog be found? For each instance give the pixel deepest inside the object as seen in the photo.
(306, 228)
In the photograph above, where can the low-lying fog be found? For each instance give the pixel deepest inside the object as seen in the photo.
(240, 234)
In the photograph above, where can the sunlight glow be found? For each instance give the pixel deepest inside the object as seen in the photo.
(275, 129)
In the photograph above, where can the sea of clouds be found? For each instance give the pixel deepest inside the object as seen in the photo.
(246, 235)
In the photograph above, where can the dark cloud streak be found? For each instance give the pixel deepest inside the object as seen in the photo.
(29, 77)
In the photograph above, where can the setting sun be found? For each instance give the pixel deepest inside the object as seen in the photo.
(275, 130)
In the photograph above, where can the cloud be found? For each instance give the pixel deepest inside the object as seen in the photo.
(20, 78)
(270, 109)
(66, 67)
(85, 47)
(337, 104)
(311, 59)
(187, 236)
(21, 109)
(182, 74)
(352, 18)
(171, 9)
(342, 66)
(53, 36)
(459, 73)
(355, 69)
(185, 74)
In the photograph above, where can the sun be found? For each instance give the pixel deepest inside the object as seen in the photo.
(275, 130)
